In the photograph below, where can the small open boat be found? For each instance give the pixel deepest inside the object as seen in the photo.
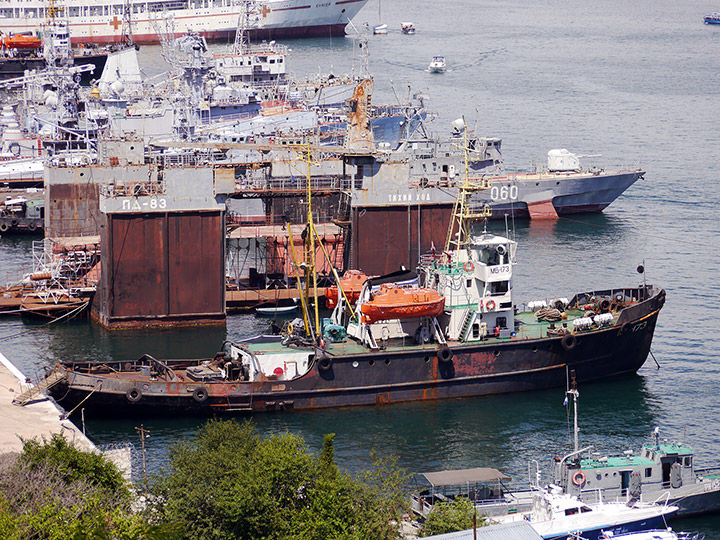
(713, 18)
(280, 308)
(394, 302)
(407, 28)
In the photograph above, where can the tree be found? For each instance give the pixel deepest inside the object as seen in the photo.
(228, 482)
(73, 464)
(53, 491)
(447, 517)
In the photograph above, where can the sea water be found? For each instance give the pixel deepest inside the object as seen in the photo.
(637, 83)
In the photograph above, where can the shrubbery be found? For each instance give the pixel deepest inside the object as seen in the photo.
(52, 490)
(227, 482)
(448, 517)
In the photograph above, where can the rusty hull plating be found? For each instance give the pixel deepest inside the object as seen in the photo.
(347, 374)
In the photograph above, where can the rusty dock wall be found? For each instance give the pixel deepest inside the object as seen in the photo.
(72, 193)
(163, 252)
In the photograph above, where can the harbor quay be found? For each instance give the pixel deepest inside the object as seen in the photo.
(39, 418)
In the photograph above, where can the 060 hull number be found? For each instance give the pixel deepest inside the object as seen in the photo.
(504, 193)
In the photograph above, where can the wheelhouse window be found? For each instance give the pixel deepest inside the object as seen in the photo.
(499, 287)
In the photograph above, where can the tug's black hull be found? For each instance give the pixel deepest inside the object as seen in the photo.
(387, 376)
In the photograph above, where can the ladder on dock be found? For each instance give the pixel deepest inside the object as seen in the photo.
(53, 378)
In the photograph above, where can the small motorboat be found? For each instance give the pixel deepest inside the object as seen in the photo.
(287, 307)
(394, 302)
(656, 534)
(407, 28)
(556, 515)
(437, 65)
(713, 18)
(380, 29)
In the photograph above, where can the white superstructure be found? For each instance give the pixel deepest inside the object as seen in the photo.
(104, 21)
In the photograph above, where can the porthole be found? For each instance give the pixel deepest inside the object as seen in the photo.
(355, 363)
(496, 353)
(371, 362)
(534, 349)
(387, 361)
(427, 359)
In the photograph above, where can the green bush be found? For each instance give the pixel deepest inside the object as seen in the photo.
(228, 482)
(54, 491)
(447, 517)
(73, 464)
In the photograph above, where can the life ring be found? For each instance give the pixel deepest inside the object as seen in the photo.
(490, 305)
(14, 149)
(469, 266)
(604, 305)
(200, 394)
(325, 363)
(501, 250)
(569, 342)
(290, 328)
(4, 227)
(579, 477)
(32, 226)
(134, 394)
(444, 354)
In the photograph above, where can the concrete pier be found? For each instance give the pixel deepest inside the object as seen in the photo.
(35, 420)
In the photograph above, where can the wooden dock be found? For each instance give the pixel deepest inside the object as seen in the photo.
(252, 298)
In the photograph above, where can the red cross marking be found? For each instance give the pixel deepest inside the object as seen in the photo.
(265, 11)
(115, 22)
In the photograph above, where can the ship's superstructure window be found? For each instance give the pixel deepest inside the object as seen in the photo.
(499, 287)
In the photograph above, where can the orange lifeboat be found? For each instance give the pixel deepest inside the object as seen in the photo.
(393, 302)
(351, 282)
(21, 41)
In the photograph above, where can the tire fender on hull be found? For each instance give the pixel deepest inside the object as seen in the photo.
(569, 342)
(444, 354)
(200, 394)
(325, 363)
(134, 394)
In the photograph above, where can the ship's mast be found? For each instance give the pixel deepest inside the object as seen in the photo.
(462, 215)
(126, 30)
(573, 394)
(242, 40)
